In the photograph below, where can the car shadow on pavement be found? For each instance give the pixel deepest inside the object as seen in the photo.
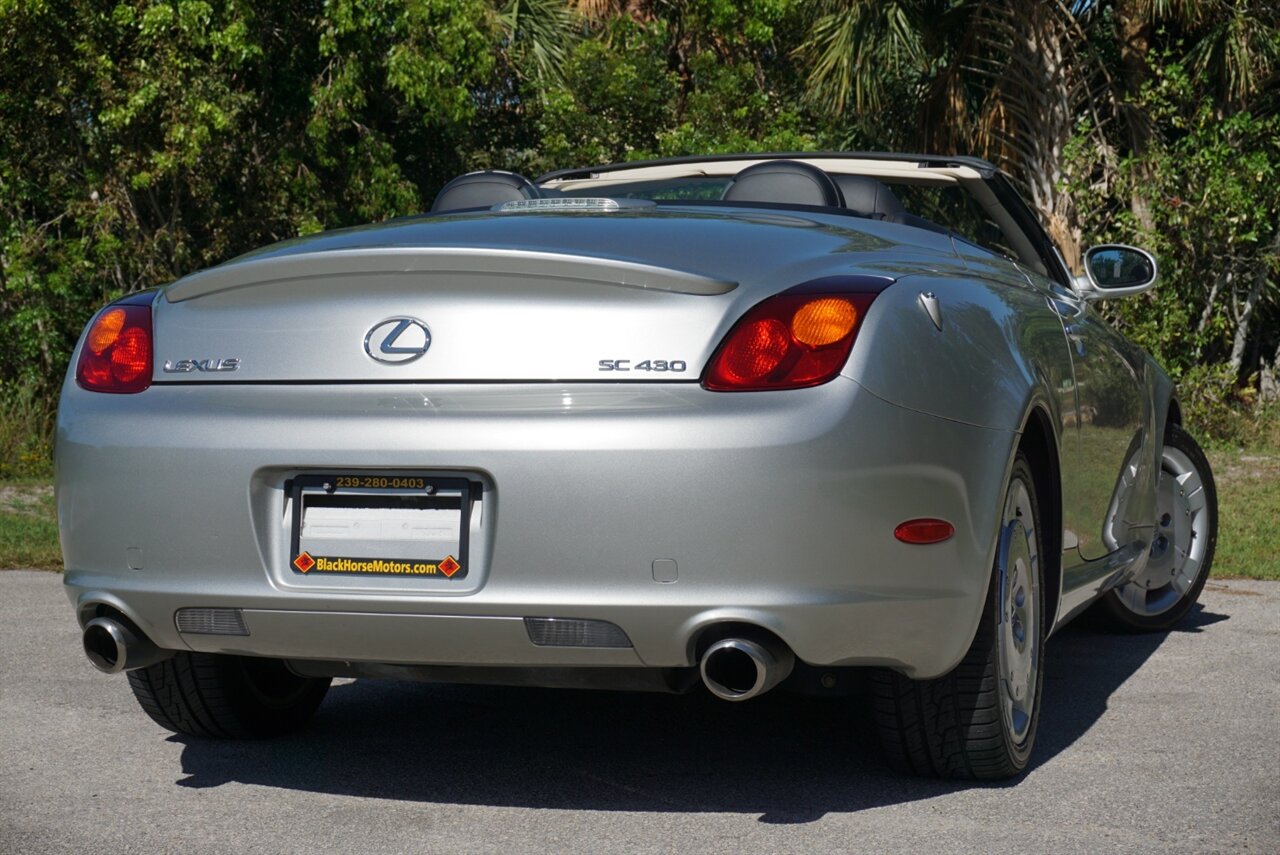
(789, 758)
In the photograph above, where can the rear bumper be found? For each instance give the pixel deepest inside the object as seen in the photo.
(778, 509)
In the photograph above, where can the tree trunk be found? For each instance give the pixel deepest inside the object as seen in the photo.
(1038, 89)
(1260, 275)
(46, 357)
(1269, 382)
(1134, 29)
(1207, 314)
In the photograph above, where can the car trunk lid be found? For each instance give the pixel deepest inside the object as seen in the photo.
(428, 314)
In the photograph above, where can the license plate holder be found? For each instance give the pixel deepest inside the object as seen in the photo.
(380, 524)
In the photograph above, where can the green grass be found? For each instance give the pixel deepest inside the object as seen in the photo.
(1248, 508)
(28, 526)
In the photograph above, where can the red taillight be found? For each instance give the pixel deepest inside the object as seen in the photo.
(116, 356)
(924, 531)
(787, 342)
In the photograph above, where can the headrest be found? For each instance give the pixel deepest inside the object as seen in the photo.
(785, 181)
(869, 196)
(483, 190)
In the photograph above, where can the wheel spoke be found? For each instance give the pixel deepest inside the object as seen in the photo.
(1135, 597)
(1189, 481)
(1196, 500)
(1186, 575)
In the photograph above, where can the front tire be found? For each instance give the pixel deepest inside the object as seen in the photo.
(226, 697)
(1185, 539)
(979, 721)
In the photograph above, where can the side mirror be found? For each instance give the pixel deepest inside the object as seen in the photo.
(1114, 270)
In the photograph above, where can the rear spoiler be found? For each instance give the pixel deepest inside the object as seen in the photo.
(399, 260)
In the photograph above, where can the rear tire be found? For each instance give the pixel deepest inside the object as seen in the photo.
(226, 697)
(1185, 540)
(979, 721)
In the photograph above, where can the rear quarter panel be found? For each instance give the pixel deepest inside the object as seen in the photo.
(999, 352)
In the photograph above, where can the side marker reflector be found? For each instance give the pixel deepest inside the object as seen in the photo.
(924, 531)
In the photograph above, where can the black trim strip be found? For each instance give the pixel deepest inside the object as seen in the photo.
(1012, 201)
(138, 298)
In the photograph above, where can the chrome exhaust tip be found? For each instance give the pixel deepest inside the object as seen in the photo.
(113, 647)
(738, 669)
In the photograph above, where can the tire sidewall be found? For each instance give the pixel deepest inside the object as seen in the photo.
(1020, 753)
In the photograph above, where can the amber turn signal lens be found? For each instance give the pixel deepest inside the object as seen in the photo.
(924, 531)
(106, 330)
(823, 321)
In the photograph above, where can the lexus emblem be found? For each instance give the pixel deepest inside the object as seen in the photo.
(397, 340)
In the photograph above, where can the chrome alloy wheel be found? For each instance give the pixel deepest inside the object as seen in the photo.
(1180, 541)
(1018, 630)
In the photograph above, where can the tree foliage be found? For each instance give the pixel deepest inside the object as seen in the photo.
(1211, 185)
(144, 139)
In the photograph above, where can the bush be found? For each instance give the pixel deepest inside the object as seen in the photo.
(1222, 414)
(26, 434)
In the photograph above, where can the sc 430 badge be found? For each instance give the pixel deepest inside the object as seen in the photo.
(676, 365)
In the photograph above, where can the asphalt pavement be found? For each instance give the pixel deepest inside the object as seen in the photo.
(1157, 743)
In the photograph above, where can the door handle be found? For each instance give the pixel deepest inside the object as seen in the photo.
(1075, 333)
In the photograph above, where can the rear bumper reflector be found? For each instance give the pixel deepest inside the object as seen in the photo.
(211, 622)
(573, 632)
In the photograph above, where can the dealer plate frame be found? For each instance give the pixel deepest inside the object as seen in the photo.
(326, 483)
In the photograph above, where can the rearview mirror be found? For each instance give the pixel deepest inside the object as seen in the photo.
(1115, 270)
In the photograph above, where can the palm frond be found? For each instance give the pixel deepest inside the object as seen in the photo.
(538, 35)
(855, 47)
(1240, 52)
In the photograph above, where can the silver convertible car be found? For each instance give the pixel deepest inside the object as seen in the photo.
(799, 421)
